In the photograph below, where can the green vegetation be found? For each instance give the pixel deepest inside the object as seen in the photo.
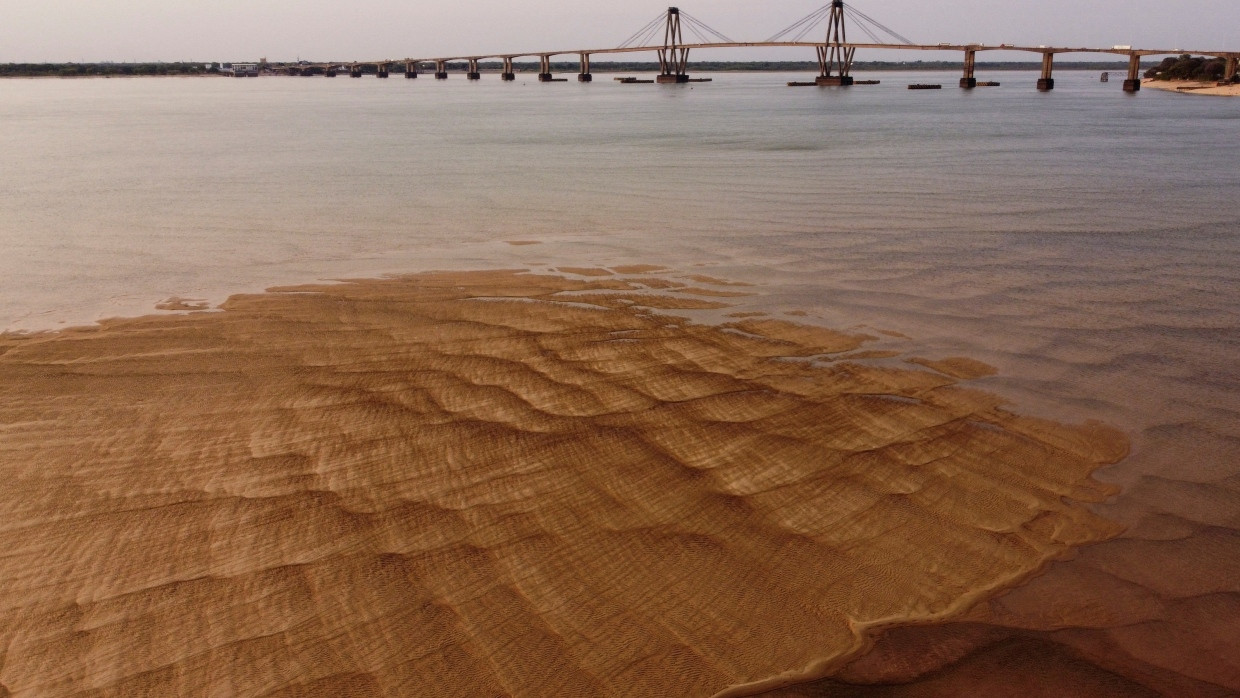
(73, 70)
(1187, 67)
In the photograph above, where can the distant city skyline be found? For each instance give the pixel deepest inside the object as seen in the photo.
(283, 30)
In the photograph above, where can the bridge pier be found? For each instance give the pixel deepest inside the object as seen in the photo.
(381, 70)
(355, 71)
(411, 69)
(441, 70)
(969, 81)
(584, 75)
(1229, 75)
(473, 73)
(329, 71)
(1133, 83)
(508, 74)
(1046, 83)
(544, 69)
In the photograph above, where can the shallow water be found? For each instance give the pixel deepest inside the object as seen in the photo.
(1083, 241)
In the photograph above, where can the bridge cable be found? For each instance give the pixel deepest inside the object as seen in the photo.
(694, 22)
(866, 23)
(805, 24)
(862, 19)
(644, 32)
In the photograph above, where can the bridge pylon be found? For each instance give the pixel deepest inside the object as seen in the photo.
(673, 57)
(835, 57)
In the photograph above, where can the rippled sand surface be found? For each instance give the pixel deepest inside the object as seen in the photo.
(500, 483)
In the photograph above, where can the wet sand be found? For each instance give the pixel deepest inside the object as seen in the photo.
(505, 483)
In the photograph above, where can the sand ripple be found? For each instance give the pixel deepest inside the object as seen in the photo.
(496, 483)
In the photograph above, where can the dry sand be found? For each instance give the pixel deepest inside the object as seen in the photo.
(1193, 87)
(498, 483)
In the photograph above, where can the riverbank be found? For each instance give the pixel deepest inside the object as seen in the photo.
(1193, 87)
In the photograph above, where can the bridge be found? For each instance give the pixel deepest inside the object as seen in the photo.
(835, 53)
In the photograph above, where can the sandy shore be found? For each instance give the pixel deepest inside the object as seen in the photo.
(500, 483)
(1193, 87)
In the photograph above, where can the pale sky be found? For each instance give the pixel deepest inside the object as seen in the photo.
(243, 30)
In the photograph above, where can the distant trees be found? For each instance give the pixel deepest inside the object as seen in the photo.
(67, 70)
(1187, 67)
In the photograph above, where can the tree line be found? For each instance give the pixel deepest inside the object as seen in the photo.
(1187, 67)
(69, 70)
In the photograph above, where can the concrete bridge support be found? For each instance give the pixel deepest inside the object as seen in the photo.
(1046, 83)
(584, 75)
(411, 69)
(355, 71)
(441, 70)
(1230, 73)
(969, 81)
(1133, 83)
(382, 69)
(473, 73)
(508, 74)
(329, 71)
(544, 69)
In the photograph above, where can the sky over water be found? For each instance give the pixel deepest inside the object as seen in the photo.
(235, 30)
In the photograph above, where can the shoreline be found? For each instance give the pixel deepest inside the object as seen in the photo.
(1193, 87)
(559, 446)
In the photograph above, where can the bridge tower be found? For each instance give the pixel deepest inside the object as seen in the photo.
(835, 56)
(673, 57)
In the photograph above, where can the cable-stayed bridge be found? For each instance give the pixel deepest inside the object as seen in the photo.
(664, 36)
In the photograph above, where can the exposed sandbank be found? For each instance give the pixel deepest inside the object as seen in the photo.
(494, 482)
(1193, 87)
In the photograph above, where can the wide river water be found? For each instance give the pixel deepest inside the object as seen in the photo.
(1083, 241)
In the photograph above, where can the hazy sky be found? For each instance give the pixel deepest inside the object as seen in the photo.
(236, 30)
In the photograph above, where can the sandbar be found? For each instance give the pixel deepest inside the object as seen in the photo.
(486, 483)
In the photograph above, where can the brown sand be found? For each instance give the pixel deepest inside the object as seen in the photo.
(496, 483)
(1193, 87)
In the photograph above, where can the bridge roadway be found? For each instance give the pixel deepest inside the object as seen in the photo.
(1045, 82)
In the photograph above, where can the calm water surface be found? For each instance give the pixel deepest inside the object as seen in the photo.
(1084, 241)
